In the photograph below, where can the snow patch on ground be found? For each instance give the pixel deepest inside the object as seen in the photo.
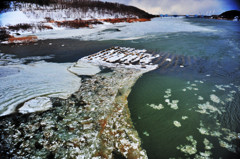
(13, 18)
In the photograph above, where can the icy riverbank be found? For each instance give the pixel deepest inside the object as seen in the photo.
(93, 122)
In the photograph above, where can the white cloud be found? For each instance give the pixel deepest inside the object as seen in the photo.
(176, 6)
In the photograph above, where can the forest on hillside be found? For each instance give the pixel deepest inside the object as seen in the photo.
(84, 5)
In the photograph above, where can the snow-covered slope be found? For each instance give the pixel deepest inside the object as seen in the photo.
(34, 13)
(29, 18)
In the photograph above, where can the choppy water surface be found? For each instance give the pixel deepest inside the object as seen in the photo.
(190, 106)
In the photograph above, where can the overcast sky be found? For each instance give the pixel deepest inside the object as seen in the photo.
(183, 6)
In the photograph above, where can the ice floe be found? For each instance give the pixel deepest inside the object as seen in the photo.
(145, 133)
(177, 123)
(36, 105)
(157, 107)
(207, 108)
(215, 98)
(184, 117)
(203, 131)
(226, 145)
(189, 149)
(122, 57)
(207, 144)
(8, 59)
(34, 80)
(200, 98)
(84, 68)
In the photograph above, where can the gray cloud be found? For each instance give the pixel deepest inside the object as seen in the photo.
(177, 6)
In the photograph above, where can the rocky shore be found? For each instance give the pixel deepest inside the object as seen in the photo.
(94, 122)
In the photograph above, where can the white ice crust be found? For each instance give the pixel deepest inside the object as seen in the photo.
(33, 80)
(36, 105)
(122, 57)
(84, 68)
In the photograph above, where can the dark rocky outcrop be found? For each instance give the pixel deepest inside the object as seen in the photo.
(230, 15)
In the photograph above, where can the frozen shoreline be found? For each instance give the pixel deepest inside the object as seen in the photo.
(96, 118)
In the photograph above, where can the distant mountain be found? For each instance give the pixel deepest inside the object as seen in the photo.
(230, 14)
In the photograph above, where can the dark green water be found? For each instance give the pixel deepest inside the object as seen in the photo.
(207, 89)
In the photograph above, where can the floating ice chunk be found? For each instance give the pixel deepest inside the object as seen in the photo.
(145, 133)
(177, 123)
(207, 106)
(157, 107)
(205, 154)
(168, 91)
(200, 98)
(174, 105)
(216, 133)
(184, 117)
(203, 131)
(168, 59)
(36, 105)
(189, 149)
(214, 98)
(227, 146)
(222, 87)
(231, 136)
(184, 90)
(167, 101)
(84, 68)
(208, 145)
(181, 66)
(233, 92)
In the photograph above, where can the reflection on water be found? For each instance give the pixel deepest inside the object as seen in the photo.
(190, 106)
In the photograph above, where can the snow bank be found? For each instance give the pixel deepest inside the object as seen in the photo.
(13, 18)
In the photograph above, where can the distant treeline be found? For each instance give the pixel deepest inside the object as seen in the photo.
(84, 5)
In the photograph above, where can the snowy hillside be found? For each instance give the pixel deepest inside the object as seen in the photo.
(29, 16)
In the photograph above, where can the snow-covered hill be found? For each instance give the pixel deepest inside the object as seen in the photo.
(24, 16)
